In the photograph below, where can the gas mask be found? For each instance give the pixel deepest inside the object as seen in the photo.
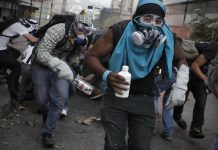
(82, 30)
(149, 31)
(81, 40)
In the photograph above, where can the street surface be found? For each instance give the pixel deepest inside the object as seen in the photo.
(21, 129)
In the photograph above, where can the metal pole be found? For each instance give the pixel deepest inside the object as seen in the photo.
(51, 8)
(40, 12)
(186, 9)
(30, 12)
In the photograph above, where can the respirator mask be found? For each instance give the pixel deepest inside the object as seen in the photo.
(81, 40)
(84, 31)
(149, 32)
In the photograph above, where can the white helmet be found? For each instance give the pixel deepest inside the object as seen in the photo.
(30, 24)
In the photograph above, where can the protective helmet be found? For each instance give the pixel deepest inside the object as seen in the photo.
(29, 23)
(84, 23)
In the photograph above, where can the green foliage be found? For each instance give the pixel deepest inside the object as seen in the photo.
(203, 27)
(106, 19)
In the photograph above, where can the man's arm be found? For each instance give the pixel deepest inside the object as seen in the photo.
(199, 61)
(47, 45)
(177, 95)
(31, 38)
(103, 47)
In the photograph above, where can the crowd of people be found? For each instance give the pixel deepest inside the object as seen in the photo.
(146, 44)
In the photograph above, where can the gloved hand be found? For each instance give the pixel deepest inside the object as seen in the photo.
(206, 83)
(178, 93)
(61, 68)
(26, 54)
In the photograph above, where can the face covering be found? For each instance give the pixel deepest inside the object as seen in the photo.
(80, 40)
(149, 31)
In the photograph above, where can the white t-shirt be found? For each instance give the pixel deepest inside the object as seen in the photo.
(15, 29)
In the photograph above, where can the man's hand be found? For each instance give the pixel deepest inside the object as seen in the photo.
(176, 98)
(206, 83)
(65, 72)
(117, 82)
(61, 68)
(179, 88)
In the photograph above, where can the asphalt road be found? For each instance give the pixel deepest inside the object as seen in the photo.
(21, 129)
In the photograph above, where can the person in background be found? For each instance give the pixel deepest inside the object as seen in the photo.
(163, 84)
(198, 85)
(9, 55)
(144, 41)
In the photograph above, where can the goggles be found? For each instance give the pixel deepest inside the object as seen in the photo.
(81, 27)
(149, 19)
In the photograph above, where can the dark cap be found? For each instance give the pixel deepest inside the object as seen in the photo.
(150, 8)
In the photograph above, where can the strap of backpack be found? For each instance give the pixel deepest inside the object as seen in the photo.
(66, 35)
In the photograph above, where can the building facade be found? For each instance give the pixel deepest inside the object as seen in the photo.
(180, 13)
(36, 9)
(125, 8)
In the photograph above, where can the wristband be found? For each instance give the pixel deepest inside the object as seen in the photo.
(105, 74)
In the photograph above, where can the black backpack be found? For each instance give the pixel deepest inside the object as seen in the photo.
(5, 24)
(67, 19)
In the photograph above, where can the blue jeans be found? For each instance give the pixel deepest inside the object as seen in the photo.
(215, 144)
(164, 84)
(51, 93)
(135, 113)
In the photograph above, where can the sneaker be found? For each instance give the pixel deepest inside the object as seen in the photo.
(166, 137)
(63, 114)
(47, 141)
(181, 123)
(196, 133)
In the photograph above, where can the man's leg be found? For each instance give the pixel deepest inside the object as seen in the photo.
(199, 93)
(177, 114)
(26, 84)
(8, 60)
(167, 118)
(114, 120)
(141, 122)
(58, 93)
(40, 78)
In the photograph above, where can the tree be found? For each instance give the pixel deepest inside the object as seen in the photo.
(107, 18)
(203, 27)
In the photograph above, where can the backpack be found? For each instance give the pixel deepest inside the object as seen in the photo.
(5, 24)
(189, 49)
(68, 19)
